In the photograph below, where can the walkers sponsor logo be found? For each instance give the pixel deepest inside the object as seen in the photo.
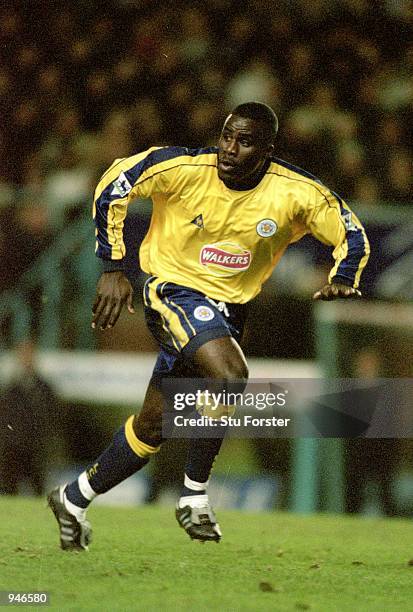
(225, 258)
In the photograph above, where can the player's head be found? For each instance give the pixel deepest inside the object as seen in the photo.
(246, 142)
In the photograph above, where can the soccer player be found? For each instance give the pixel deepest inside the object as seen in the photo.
(222, 218)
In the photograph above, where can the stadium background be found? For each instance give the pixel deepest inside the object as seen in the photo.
(82, 85)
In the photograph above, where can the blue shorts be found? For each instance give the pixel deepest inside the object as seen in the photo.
(183, 319)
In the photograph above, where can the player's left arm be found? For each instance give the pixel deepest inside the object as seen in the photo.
(332, 222)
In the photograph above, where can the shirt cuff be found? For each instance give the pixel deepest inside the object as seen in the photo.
(113, 265)
(342, 280)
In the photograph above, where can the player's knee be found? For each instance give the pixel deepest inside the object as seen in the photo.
(241, 372)
(232, 377)
(235, 377)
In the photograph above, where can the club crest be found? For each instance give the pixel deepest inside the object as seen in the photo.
(266, 228)
(203, 313)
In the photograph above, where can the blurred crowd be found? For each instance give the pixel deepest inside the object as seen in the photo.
(87, 82)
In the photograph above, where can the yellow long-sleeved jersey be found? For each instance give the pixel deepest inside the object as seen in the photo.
(222, 242)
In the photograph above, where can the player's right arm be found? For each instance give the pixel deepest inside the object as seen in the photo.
(112, 292)
(139, 176)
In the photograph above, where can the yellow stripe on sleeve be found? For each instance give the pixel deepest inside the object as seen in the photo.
(339, 254)
(363, 260)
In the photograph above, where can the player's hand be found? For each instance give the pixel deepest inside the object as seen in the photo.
(334, 291)
(112, 292)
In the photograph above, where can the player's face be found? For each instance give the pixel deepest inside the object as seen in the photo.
(242, 150)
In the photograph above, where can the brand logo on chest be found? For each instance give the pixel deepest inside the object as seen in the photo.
(225, 258)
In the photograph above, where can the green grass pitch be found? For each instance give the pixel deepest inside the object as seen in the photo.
(141, 560)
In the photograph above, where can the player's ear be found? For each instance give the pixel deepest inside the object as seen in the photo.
(270, 150)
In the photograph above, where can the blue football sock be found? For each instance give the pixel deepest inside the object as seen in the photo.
(200, 459)
(125, 456)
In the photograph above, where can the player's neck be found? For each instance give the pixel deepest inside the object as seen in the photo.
(251, 182)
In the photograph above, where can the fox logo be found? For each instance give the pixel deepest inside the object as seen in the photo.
(266, 228)
(203, 313)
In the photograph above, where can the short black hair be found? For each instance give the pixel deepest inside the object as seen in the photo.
(258, 111)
